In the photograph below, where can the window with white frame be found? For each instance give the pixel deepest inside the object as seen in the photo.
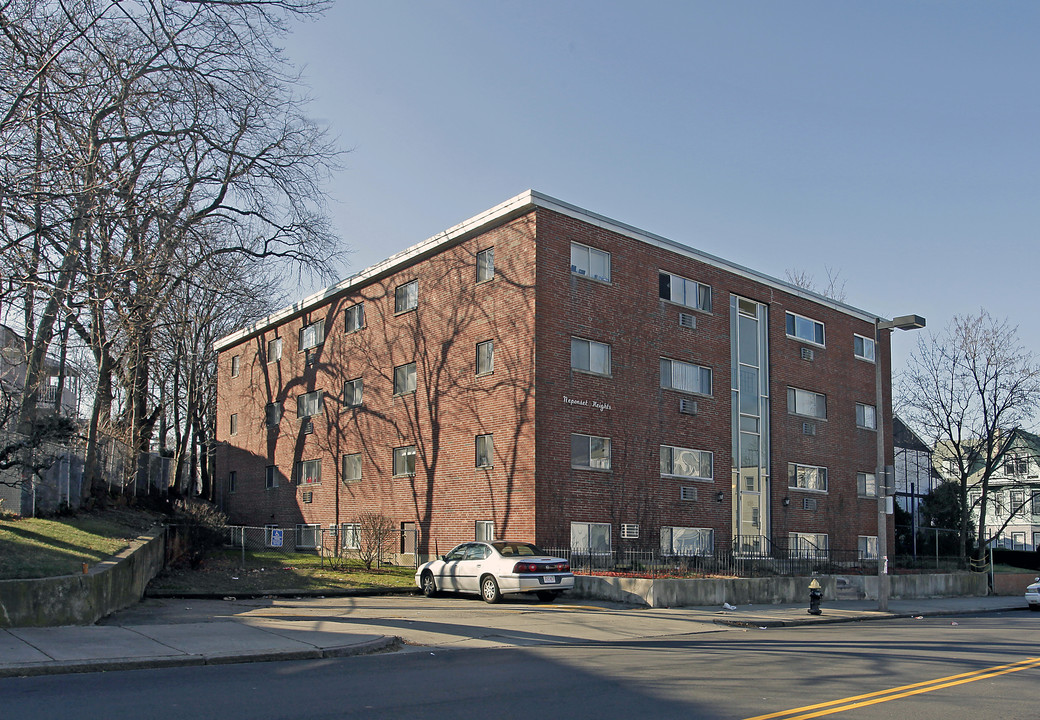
(485, 449)
(312, 335)
(404, 461)
(352, 468)
(353, 391)
(308, 535)
(800, 327)
(590, 538)
(404, 379)
(271, 477)
(485, 357)
(866, 416)
(485, 265)
(806, 477)
(590, 452)
(233, 425)
(484, 531)
(863, 347)
(807, 403)
(355, 317)
(868, 547)
(866, 484)
(590, 356)
(406, 297)
(687, 541)
(308, 472)
(590, 262)
(808, 545)
(274, 350)
(235, 363)
(273, 414)
(232, 481)
(309, 404)
(1035, 502)
(1018, 501)
(686, 462)
(348, 535)
(681, 291)
(1018, 541)
(685, 377)
(1016, 466)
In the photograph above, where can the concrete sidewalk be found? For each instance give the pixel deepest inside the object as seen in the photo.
(171, 633)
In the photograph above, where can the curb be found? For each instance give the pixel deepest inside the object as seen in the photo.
(387, 643)
(160, 594)
(876, 615)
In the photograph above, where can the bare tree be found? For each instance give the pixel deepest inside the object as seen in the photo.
(834, 289)
(966, 391)
(376, 534)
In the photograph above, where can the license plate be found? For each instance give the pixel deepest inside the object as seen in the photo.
(548, 579)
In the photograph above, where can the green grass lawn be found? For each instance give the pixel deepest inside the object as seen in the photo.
(222, 572)
(36, 547)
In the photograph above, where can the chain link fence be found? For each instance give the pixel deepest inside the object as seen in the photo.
(332, 547)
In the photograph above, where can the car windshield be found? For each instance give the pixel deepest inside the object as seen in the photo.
(512, 549)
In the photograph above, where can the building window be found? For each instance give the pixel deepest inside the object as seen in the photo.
(685, 292)
(485, 448)
(685, 377)
(355, 317)
(686, 463)
(274, 350)
(589, 452)
(235, 361)
(309, 404)
(866, 416)
(1018, 541)
(687, 541)
(352, 391)
(349, 536)
(1018, 501)
(1036, 502)
(273, 414)
(805, 402)
(233, 425)
(803, 328)
(590, 356)
(308, 472)
(808, 545)
(312, 335)
(590, 538)
(308, 536)
(590, 262)
(807, 477)
(406, 297)
(866, 485)
(404, 461)
(271, 476)
(1016, 466)
(232, 481)
(485, 357)
(485, 265)
(484, 531)
(404, 379)
(352, 468)
(863, 347)
(868, 549)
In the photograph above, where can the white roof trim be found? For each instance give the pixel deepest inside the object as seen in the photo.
(501, 213)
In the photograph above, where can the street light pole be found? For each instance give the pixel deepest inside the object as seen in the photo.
(904, 322)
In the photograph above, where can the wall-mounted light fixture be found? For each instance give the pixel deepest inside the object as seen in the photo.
(720, 496)
(786, 501)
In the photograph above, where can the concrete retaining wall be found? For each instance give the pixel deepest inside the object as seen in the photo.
(671, 592)
(83, 599)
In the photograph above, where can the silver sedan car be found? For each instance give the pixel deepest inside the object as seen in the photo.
(492, 569)
(1033, 595)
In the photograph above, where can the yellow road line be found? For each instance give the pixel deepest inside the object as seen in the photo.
(858, 701)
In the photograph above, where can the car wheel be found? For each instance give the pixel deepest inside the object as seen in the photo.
(1034, 608)
(429, 587)
(547, 596)
(489, 589)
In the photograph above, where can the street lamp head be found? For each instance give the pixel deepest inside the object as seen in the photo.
(903, 322)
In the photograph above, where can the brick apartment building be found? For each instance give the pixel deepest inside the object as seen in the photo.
(540, 372)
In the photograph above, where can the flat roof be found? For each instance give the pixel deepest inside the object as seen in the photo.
(514, 207)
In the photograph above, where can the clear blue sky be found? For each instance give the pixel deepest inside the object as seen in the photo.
(897, 143)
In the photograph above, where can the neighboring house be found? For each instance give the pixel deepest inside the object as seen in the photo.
(544, 373)
(59, 393)
(915, 477)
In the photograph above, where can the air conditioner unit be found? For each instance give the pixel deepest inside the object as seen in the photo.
(808, 503)
(629, 532)
(687, 406)
(687, 493)
(308, 426)
(808, 354)
(687, 320)
(808, 428)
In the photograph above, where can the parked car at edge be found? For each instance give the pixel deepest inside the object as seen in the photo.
(493, 569)
(1033, 595)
